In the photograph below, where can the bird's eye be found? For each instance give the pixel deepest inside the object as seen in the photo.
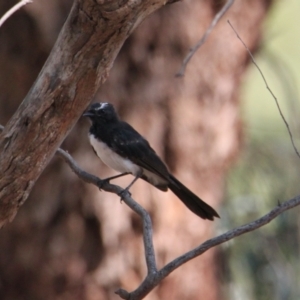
(100, 112)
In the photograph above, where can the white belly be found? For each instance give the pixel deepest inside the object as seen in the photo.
(112, 159)
(118, 163)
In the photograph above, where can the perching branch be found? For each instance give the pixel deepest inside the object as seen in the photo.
(108, 187)
(10, 12)
(137, 208)
(269, 89)
(154, 276)
(193, 50)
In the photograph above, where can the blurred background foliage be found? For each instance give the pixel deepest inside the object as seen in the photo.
(265, 264)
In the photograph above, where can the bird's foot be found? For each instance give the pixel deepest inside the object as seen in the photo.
(102, 182)
(123, 194)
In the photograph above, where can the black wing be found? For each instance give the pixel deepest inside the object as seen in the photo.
(128, 143)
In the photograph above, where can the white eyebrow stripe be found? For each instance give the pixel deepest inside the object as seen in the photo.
(102, 105)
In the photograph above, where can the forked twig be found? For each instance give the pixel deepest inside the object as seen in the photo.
(193, 50)
(154, 276)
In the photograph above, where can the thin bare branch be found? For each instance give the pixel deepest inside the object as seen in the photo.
(10, 12)
(106, 186)
(269, 89)
(193, 50)
(146, 287)
(154, 277)
(230, 235)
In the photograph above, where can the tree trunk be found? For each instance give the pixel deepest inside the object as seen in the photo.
(79, 62)
(72, 241)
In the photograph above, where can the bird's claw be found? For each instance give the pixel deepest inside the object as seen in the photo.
(101, 183)
(123, 194)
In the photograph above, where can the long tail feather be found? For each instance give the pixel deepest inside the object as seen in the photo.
(193, 202)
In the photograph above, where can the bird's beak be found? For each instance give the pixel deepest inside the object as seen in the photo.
(88, 113)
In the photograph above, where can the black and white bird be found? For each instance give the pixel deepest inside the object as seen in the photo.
(123, 149)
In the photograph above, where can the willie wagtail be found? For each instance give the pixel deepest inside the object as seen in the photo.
(123, 149)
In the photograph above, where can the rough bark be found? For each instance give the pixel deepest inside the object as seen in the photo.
(80, 60)
(71, 241)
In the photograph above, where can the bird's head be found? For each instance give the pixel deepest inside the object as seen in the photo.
(101, 113)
